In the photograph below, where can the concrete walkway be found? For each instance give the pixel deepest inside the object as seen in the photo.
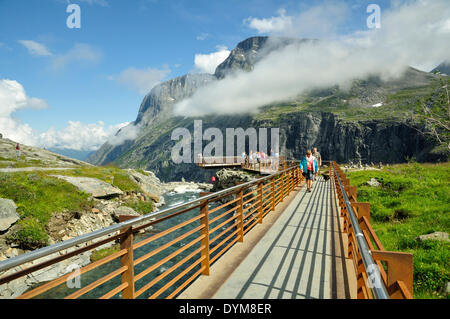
(300, 256)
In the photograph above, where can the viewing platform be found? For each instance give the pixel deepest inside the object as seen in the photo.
(265, 166)
(267, 238)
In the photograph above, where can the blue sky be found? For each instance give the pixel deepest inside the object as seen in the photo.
(95, 73)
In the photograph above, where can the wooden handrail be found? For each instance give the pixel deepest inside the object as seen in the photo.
(231, 221)
(399, 277)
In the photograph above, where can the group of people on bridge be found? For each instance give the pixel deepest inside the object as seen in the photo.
(271, 159)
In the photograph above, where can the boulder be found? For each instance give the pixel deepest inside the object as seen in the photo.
(373, 182)
(93, 186)
(149, 183)
(441, 236)
(8, 214)
(124, 210)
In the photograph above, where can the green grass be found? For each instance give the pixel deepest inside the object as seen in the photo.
(108, 174)
(414, 199)
(37, 197)
(104, 252)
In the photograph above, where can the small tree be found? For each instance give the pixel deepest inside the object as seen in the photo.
(434, 113)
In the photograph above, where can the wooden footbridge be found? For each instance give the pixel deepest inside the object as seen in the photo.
(267, 238)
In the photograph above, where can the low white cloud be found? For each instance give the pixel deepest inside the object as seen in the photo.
(412, 34)
(35, 48)
(75, 135)
(79, 136)
(127, 132)
(141, 80)
(79, 53)
(207, 63)
(13, 98)
(316, 22)
(275, 24)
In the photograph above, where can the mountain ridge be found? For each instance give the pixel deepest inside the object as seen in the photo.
(368, 99)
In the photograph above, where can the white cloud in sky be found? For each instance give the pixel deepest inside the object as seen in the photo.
(203, 36)
(316, 22)
(127, 132)
(79, 136)
(141, 80)
(207, 63)
(35, 48)
(75, 135)
(79, 53)
(102, 3)
(275, 24)
(412, 34)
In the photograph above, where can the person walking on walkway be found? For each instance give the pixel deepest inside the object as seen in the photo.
(17, 150)
(318, 157)
(309, 167)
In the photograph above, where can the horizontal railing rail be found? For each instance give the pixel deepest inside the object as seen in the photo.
(190, 237)
(366, 250)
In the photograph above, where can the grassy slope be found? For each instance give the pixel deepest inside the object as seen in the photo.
(38, 196)
(414, 200)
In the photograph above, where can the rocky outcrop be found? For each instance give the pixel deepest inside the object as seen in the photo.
(92, 186)
(227, 178)
(31, 156)
(439, 236)
(148, 182)
(124, 211)
(156, 107)
(8, 214)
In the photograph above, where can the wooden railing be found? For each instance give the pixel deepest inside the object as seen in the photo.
(398, 279)
(188, 239)
(266, 165)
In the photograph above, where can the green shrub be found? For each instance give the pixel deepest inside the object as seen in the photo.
(140, 206)
(430, 277)
(31, 234)
(104, 252)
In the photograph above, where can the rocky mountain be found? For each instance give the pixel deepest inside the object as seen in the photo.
(443, 68)
(367, 122)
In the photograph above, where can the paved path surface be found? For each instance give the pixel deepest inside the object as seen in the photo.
(299, 257)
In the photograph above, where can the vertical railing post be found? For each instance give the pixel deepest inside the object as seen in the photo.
(283, 180)
(273, 193)
(260, 203)
(240, 217)
(126, 242)
(204, 221)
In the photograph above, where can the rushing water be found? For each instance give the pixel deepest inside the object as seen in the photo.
(171, 199)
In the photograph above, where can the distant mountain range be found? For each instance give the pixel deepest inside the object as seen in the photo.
(367, 122)
(79, 155)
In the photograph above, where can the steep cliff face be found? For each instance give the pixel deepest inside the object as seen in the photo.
(155, 108)
(344, 125)
(157, 105)
(369, 141)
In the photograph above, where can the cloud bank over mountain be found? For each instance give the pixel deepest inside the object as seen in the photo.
(75, 135)
(415, 34)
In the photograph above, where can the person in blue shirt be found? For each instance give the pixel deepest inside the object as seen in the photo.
(309, 168)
